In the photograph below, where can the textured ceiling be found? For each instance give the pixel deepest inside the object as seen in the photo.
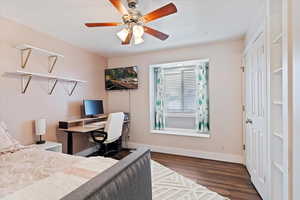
(197, 21)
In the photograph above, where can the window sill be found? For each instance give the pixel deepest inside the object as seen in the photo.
(181, 132)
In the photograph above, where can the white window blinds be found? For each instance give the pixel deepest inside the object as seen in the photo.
(180, 89)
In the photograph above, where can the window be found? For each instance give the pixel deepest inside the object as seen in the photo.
(180, 90)
(179, 98)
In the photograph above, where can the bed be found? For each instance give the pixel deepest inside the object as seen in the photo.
(34, 174)
(27, 173)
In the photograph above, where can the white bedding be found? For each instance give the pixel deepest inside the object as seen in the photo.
(29, 170)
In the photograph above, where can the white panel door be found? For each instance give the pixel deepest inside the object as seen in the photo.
(256, 115)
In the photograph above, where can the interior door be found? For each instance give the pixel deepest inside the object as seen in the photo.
(256, 114)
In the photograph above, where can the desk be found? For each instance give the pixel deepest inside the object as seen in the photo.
(82, 128)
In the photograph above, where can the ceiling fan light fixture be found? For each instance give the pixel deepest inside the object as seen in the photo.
(138, 40)
(138, 31)
(136, 21)
(122, 35)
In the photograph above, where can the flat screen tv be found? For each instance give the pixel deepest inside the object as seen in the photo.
(121, 78)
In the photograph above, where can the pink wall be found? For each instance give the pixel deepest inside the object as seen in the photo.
(19, 110)
(225, 100)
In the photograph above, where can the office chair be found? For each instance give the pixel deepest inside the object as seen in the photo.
(112, 132)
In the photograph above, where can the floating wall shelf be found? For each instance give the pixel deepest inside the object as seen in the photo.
(30, 75)
(278, 70)
(26, 51)
(278, 135)
(279, 167)
(277, 39)
(278, 103)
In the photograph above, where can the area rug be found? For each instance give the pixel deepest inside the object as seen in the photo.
(169, 185)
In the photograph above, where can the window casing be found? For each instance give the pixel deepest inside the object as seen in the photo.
(178, 97)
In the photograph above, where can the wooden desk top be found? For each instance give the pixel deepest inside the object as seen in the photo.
(81, 129)
(85, 128)
(85, 119)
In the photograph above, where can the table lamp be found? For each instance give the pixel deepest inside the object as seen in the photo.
(40, 130)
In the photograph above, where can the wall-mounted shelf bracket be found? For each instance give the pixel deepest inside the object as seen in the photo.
(52, 62)
(73, 88)
(25, 54)
(25, 83)
(27, 49)
(53, 86)
(27, 76)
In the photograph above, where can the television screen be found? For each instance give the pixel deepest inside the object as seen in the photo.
(121, 78)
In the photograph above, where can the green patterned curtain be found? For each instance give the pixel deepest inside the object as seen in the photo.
(202, 104)
(159, 99)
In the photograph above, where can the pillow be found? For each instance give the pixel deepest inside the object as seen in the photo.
(3, 125)
(7, 142)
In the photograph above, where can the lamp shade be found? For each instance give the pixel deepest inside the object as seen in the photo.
(138, 31)
(123, 34)
(40, 127)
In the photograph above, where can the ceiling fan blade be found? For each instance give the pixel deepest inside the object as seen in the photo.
(128, 39)
(103, 24)
(156, 33)
(119, 6)
(161, 12)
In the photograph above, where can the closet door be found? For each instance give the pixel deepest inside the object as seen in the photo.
(256, 115)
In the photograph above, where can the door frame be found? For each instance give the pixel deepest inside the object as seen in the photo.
(295, 174)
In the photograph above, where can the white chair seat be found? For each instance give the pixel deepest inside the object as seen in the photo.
(102, 138)
(113, 128)
(97, 138)
(107, 141)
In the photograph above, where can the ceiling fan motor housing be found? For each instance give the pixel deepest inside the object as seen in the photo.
(132, 3)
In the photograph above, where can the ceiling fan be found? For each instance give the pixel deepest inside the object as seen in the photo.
(135, 21)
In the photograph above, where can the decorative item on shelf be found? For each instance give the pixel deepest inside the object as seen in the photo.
(40, 130)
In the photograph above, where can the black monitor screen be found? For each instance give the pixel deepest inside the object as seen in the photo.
(93, 107)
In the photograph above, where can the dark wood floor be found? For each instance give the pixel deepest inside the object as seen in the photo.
(228, 179)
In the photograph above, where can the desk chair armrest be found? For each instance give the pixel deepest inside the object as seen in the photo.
(99, 133)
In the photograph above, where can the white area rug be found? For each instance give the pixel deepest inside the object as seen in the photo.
(169, 185)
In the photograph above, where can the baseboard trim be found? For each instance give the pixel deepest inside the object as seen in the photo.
(190, 153)
(87, 151)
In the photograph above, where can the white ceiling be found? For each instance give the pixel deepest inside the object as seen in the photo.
(197, 21)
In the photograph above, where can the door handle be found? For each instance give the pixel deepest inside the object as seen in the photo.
(249, 121)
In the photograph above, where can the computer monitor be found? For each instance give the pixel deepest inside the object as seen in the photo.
(92, 107)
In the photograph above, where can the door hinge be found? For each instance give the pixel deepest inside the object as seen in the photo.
(243, 68)
(244, 147)
(244, 108)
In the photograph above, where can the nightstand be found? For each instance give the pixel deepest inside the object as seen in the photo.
(49, 146)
